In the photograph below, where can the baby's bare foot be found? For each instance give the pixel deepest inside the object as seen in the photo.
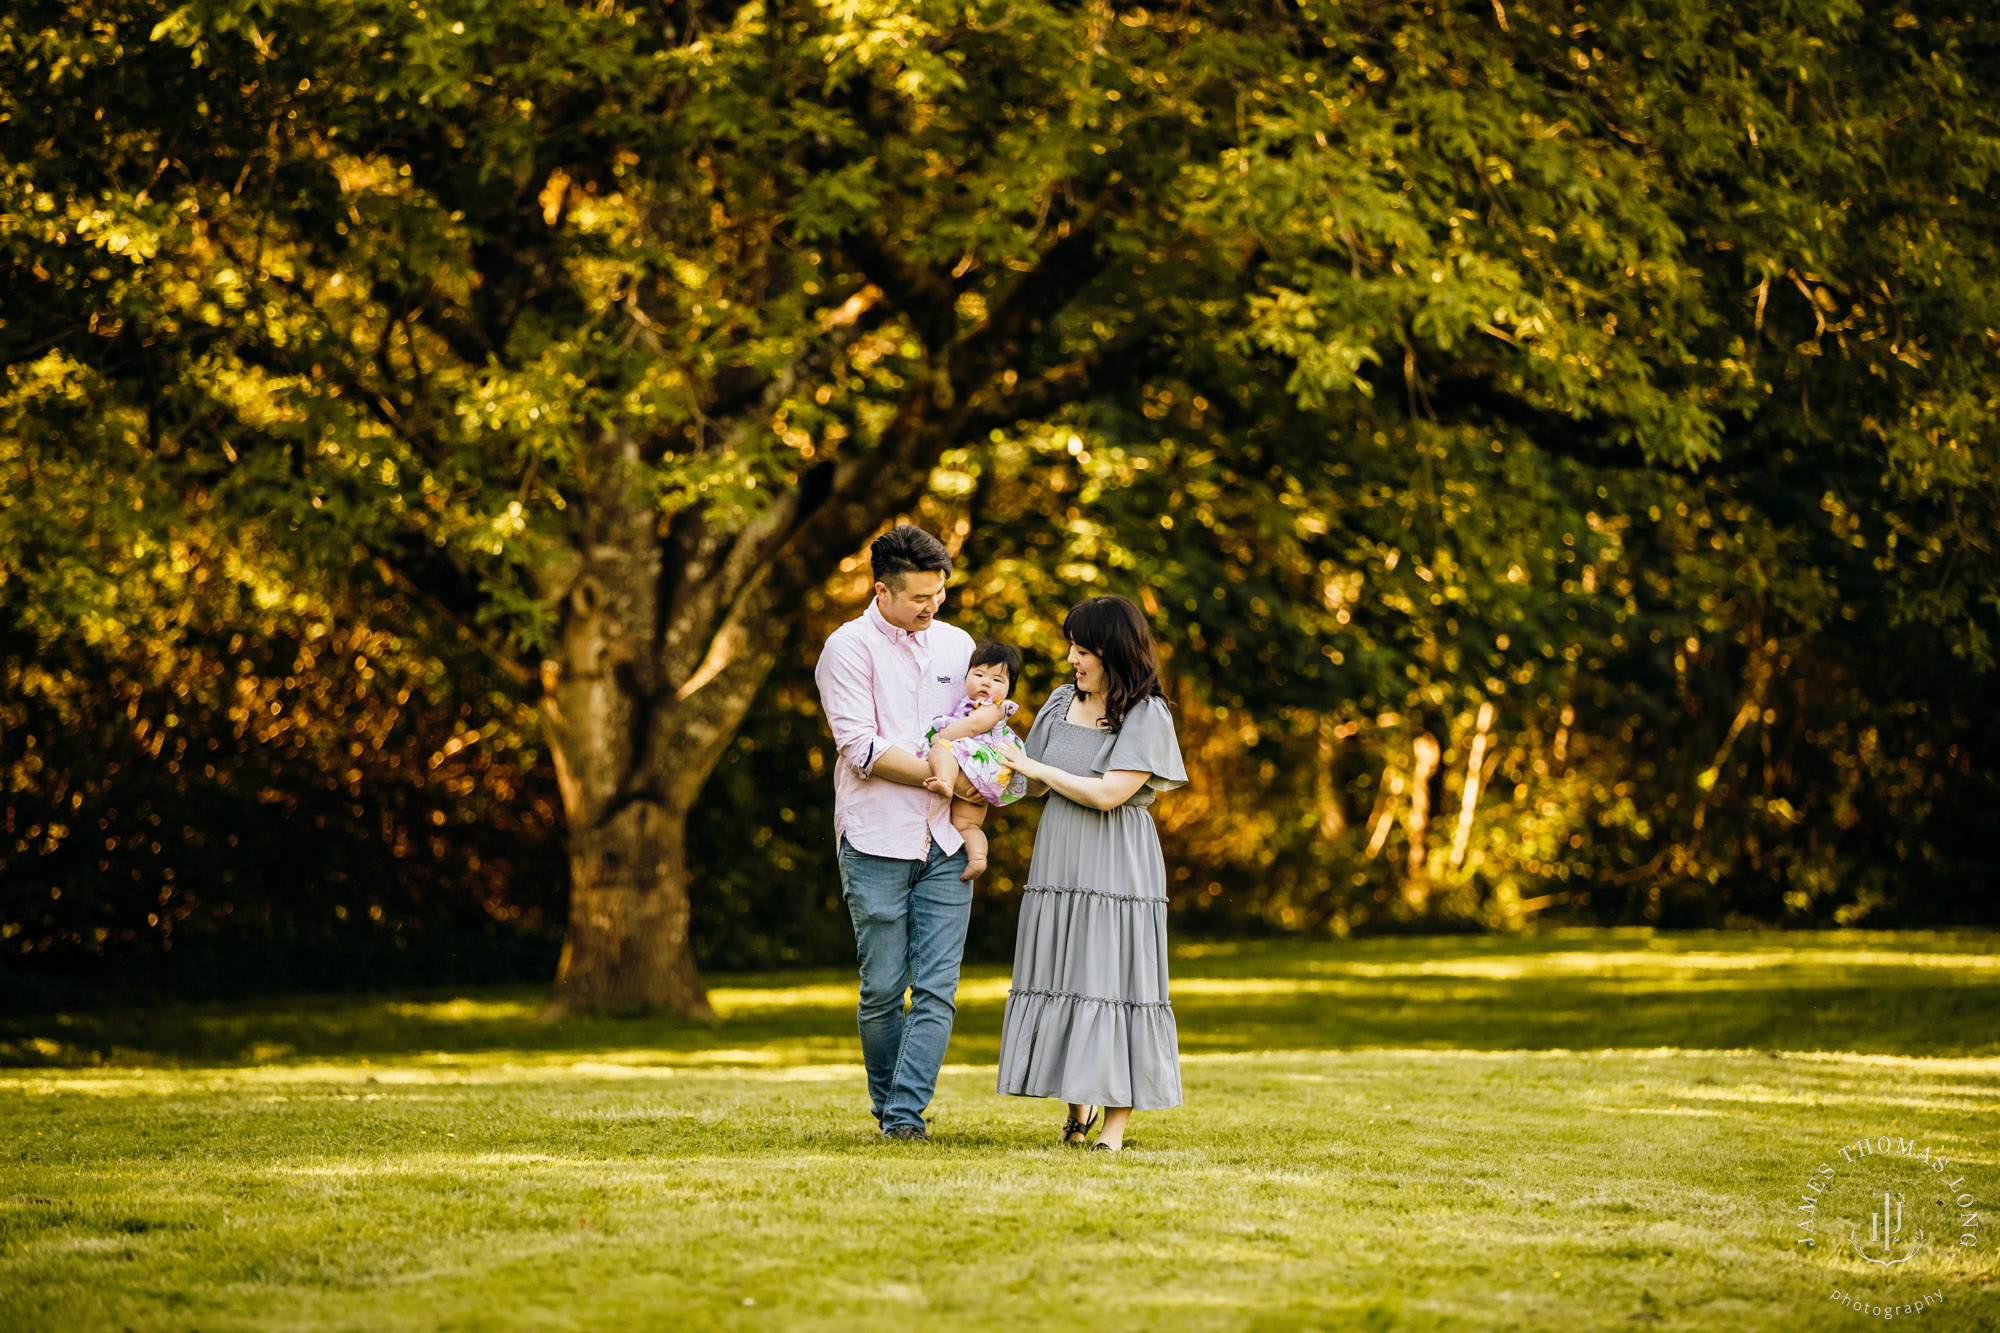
(974, 868)
(937, 785)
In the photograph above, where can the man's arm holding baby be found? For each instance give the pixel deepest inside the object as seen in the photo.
(899, 765)
(847, 696)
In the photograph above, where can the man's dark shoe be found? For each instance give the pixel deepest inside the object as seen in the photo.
(908, 1134)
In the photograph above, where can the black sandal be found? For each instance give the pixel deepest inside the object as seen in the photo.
(1074, 1126)
(1105, 1147)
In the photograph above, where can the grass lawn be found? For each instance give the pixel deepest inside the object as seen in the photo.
(1604, 1129)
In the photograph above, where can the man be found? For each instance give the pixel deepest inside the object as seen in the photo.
(882, 677)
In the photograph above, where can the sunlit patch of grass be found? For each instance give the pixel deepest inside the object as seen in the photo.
(1568, 990)
(1589, 1130)
(461, 1010)
(1650, 965)
(730, 1000)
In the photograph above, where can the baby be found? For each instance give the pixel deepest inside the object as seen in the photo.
(958, 740)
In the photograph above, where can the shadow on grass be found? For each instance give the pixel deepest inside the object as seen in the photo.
(1887, 993)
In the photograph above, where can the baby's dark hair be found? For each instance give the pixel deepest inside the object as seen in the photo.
(999, 654)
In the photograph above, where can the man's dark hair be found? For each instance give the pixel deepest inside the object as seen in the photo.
(999, 654)
(903, 550)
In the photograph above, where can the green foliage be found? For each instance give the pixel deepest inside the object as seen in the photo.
(218, 778)
(1624, 367)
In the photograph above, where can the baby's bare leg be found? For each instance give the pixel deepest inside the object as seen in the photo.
(968, 817)
(944, 771)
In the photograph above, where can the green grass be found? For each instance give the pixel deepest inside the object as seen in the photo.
(1582, 1130)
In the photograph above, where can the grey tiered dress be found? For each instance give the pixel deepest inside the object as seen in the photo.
(1087, 1016)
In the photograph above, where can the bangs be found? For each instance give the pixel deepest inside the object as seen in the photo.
(1003, 655)
(1091, 625)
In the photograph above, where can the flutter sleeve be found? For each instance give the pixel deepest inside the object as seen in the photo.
(1146, 744)
(1052, 708)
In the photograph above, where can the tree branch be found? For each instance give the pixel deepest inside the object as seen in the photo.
(1036, 296)
(1059, 386)
(793, 556)
(517, 674)
(923, 295)
(695, 592)
(1585, 440)
(451, 326)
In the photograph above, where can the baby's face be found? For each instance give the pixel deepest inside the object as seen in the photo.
(986, 684)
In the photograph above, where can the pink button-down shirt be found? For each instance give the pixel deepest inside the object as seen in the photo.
(880, 687)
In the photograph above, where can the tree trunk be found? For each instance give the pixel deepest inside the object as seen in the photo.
(1469, 799)
(627, 948)
(671, 622)
(1332, 819)
(630, 767)
(1424, 753)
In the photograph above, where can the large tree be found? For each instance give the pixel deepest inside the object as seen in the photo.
(601, 333)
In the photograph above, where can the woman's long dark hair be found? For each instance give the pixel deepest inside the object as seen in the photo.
(1113, 629)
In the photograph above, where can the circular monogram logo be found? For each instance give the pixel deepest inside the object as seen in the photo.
(1892, 1222)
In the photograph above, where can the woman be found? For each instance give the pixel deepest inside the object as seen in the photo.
(1087, 1016)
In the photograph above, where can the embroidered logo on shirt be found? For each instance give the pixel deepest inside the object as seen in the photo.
(944, 680)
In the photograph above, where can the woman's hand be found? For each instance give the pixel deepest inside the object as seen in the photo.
(1015, 758)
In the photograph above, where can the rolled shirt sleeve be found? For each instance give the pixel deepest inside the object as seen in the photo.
(847, 695)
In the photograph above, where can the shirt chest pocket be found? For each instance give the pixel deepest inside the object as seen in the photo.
(932, 694)
(936, 692)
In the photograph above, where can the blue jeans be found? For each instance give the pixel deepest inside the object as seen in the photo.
(909, 928)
